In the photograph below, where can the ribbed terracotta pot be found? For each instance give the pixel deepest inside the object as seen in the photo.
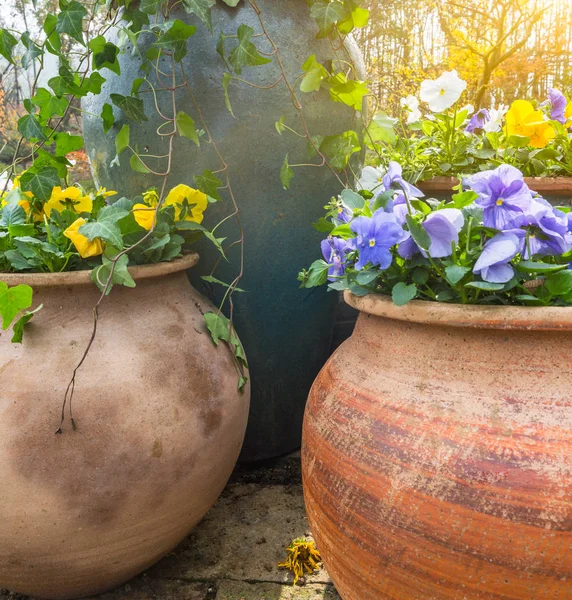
(160, 426)
(437, 454)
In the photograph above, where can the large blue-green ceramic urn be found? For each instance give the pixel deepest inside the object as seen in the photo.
(286, 331)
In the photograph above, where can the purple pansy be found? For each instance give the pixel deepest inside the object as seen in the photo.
(443, 227)
(478, 120)
(375, 237)
(558, 102)
(492, 265)
(334, 251)
(548, 230)
(393, 179)
(503, 195)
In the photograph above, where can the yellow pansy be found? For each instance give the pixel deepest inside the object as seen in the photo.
(568, 114)
(523, 119)
(16, 184)
(151, 197)
(190, 204)
(82, 244)
(105, 193)
(144, 215)
(70, 198)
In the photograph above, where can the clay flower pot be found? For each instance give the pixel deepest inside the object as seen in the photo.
(437, 454)
(160, 426)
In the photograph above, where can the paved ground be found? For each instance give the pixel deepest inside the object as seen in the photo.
(232, 554)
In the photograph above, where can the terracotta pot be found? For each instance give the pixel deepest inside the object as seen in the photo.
(437, 454)
(160, 426)
(555, 189)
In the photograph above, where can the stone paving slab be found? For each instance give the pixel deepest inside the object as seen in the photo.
(232, 554)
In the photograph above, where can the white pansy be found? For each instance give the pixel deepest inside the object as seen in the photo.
(371, 179)
(411, 104)
(442, 92)
(494, 124)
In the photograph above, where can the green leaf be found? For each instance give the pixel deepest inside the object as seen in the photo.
(7, 43)
(131, 106)
(150, 7)
(315, 74)
(559, 284)
(323, 225)
(137, 165)
(106, 227)
(30, 127)
(518, 141)
(121, 275)
(70, 21)
(485, 285)
(12, 301)
(104, 54)
(530, 266)
(225, 81)
(12, 214)
(317, 274)
(348, 91)
(231, 3)
(175, 39)
(40, 182)
(186, 127)
(18, 329)
(463, 199)
(107, 117)
(32, 50)
(211, 279)
(343, 231)
(53, 41)
(49, 104)
(529, 300)
(286, 174)
(455, 273)
(66, 143)
(352, 199)
(403, 293)
(418, 233)
(246, 54)
(382, 129)
(339, 148)
(367, 276)
(122, 140)
(326, 14)
(358, 17)
(201, 8)
(208, 183)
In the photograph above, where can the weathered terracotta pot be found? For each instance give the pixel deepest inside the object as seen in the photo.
(437, 454)
(160, 426)
(558, 190)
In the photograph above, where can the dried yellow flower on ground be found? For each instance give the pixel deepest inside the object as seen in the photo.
(303, 558)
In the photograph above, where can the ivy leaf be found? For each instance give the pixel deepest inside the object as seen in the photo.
(7, 43)
(382, 129)
(357, 18)
(32, 50)
(132, 107)
(326, 13)
(40, 182)
(403, 293)
(70, 21)
(105, 227)
(208, 183)
(53, 41)
(339, 148)
(104, 54)
(49, 104)
(30, 127)
(18, 329)
(286, 174)
(107, 117)
(225, 81)
(66, 143)
(315, 74)
(122, 140)
(176, 39)
(12, 301)
(121, 275)
(186, 127)
(348, 91)
(201, 8)
(211, 279)
(137, 165)
(245, 54)
(231, 3)
(150, 7)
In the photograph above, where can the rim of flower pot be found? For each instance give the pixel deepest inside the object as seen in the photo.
(73, 278)
(556, 186)
(533, 318)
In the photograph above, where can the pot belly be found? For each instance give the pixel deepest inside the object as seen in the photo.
(438, 463)
(159, 427)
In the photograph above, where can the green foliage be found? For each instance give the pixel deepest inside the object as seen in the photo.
(245, 54)
(13, 301)
(131, 106)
